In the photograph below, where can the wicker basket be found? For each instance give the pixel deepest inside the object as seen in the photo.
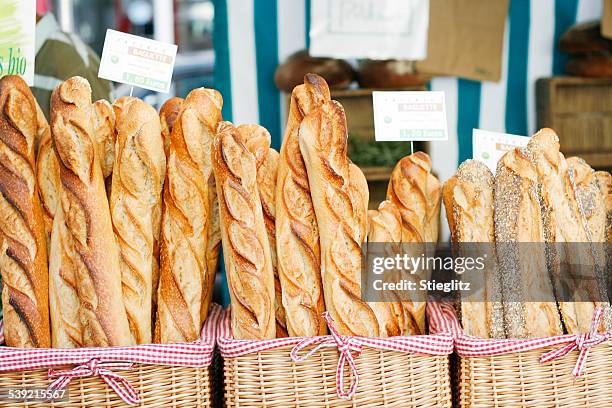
(520, 380)
(167, 375)
(158, 386)
(387, 378)
(488, 377)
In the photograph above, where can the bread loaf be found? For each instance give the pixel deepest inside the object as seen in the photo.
(562, 222)
(248, 263)
(604, 180)
(468, 199)
(385, 229)
(23, 252)
(64, 303)
(297, 233)
(416, 193)
(257, 141)
(524, 277)
(592, 209)
(168, 113)
(86, 213)
(323, 143)
(47, 173)
(184, 281)
(105, 135)
(136, 189)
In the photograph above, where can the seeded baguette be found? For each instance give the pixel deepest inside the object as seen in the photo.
(524, 275)
(468, 199)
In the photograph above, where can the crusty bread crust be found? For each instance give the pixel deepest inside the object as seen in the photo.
(23, 253)
(138, 172)
(86, 212)
(341, 219)
(246, 249)
(297, 233)
(185, 281)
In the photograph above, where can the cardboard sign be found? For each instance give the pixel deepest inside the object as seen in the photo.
(376, 29)
(409, 116)
(18, 22)
(466, 39)
(489, 147)
(137, 61)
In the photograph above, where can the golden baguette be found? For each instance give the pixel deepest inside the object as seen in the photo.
(184, 282)
(23, 252)
(416, 193)
(105, 135)
(385, 228)
(323, 143)
(297, 233)
(136, 189)
(245, 242)
(168, 113)
(86, 212)
(257, 141)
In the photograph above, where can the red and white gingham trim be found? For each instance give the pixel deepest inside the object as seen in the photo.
(468, 346)
(348, 346)
(100, 360)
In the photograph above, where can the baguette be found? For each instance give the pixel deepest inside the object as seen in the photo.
(136, 189)
(105, 135)
(592, 206)
(23, 252)
(518, 218)
(47, 173)
(468, 199)
(246, 248)
(86, 213)
(416, 193)
(257, 141)
(385, 312)
(323, 143)
(604, 180)
(64, 303)
(385, 228)
(297, 233)
(168, 113)
(184, 282)
(563, 223)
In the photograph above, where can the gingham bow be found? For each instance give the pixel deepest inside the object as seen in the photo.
(349, 348)
(96, 368)
(583, 342)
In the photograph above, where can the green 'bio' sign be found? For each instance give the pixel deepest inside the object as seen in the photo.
(17, 25)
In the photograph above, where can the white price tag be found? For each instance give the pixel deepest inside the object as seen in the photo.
(489, 147)
(409, 116)
(137, 61)
(375, 29)
(18, 22)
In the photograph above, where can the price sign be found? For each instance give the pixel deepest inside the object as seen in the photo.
(489, 147)
(409, 116)
(18, 23)
(137, 61)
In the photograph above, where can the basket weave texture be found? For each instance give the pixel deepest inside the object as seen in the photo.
(158, 386)
(386, 379)
(520, 380)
